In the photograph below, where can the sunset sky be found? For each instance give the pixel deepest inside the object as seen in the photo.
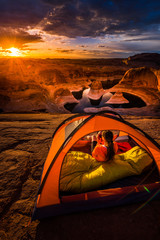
(79, 28)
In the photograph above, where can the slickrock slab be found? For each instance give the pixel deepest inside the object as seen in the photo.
(25, 141)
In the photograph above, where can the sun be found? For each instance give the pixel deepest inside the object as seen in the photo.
(14, 52)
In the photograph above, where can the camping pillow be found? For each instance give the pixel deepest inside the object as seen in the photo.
(81, 172)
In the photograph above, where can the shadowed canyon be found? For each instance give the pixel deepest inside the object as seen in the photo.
(70, 86)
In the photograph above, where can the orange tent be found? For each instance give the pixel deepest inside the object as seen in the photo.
(49, 202)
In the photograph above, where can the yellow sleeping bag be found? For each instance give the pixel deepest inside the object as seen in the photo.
(81, 172)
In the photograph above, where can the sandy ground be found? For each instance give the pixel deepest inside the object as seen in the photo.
(25, 139)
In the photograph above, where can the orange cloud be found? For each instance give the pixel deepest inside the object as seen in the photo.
(16, 38)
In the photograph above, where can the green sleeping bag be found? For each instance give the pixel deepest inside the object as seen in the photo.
(81, 172)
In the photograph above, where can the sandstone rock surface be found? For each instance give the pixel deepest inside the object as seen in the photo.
(140, 77)
(31, 85)
(117, 98)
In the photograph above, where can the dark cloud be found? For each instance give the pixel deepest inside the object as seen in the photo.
(58, 2)
(84, 18)
(98, 17)
(83, 46)
(65, 50)
(16, 38)
(101, 46)
(22, 13)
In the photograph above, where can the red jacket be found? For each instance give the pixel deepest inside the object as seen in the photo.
(100, 152)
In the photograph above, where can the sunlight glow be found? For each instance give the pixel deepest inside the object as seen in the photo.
(14, 52)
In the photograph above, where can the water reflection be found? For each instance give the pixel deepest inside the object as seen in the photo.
(109, 99)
